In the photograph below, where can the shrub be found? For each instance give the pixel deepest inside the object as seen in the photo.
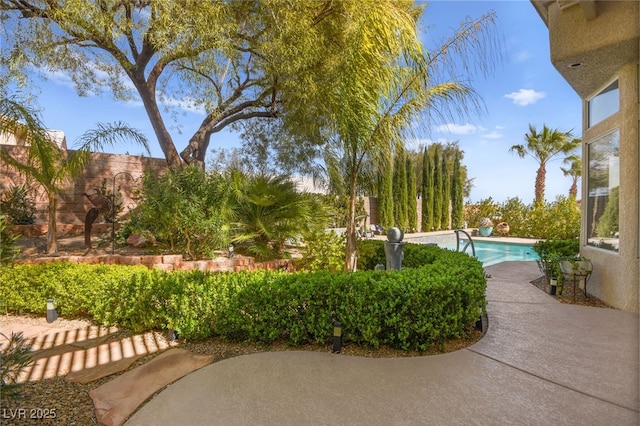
(515, 213)
(8, 248)
(550, 253)
(14, 359)
(268, 211)
(474, 213)
(438, 296)
(558, 219)
(186, 209)
(18, 206)
(323, 251)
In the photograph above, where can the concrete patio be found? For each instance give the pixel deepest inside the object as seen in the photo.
(541, 362)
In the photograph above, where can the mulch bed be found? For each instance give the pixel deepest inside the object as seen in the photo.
(567, 294)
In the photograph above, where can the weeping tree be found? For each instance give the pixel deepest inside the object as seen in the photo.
(382, 87)
(50, 165)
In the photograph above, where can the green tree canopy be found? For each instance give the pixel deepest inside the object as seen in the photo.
(231, 60)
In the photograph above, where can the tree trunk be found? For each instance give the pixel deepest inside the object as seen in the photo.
(164, 138)
(196, 150)
(573, 191)
(351, 258)
(541, 175)
(52, 234)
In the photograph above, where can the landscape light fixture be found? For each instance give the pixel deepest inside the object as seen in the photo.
(231, 252)
(553, 284)
(52, 314)
(337, 337)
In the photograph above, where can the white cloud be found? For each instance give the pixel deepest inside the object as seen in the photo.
(524, 97)
(494, 134)
(60, 78)
(522, 56)
(459, 129)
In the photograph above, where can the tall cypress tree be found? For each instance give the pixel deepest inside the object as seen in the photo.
(412, 208)
(385, 196)
(457, 189)
(400, 191)
(427, 191)
(437, 187)
(446, 189)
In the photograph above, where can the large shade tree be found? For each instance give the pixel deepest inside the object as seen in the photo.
(543, 147)
(230, 60)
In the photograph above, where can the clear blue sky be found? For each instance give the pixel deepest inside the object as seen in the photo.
(524, 89)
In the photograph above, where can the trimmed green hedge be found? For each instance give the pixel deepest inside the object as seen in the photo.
(409, 309)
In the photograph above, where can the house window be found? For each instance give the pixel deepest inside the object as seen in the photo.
(603, 192)
(604, 104)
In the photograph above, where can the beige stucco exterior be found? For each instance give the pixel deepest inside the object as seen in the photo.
(593, 43)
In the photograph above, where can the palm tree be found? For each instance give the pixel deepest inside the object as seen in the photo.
(542, 147)
(268, 211)
(574, 171)
(48, 164)
(382, 86)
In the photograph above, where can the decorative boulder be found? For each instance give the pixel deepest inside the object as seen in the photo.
(141, 240)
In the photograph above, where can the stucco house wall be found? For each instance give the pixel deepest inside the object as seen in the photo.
(593, 43)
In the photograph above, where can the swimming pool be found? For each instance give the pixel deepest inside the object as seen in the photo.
(488, 252)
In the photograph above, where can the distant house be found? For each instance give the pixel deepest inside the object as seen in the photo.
(56, 136)
(595, 47)
(307, 184)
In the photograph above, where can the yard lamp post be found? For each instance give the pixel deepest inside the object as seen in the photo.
(52, 314)
(337, 337)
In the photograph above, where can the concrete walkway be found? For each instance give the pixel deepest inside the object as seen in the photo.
(541, 362)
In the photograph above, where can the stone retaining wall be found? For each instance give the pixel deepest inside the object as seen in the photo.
(174, 262)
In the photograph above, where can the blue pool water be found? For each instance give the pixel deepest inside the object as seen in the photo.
(487, 252)
(490, 253)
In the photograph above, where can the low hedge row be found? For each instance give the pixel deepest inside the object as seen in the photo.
(409, 309)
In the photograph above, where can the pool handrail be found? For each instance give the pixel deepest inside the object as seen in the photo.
(469, 242)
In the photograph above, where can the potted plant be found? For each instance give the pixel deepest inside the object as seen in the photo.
(486, 227)
(576, 269)
(550, 253)
(576, 266)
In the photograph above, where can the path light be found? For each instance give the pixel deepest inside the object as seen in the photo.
(337, 337)
(52, 314)
(553, 285)
(231, 252)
